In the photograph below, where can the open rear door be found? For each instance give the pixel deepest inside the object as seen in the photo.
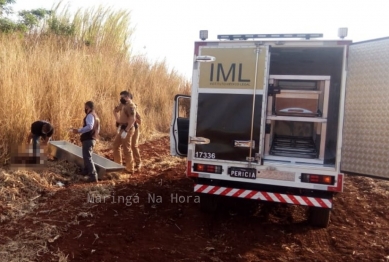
(179, 128)
(365, 146)
(231, 100)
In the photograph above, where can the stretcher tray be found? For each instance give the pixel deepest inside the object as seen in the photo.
(293, 147)
(68, 151)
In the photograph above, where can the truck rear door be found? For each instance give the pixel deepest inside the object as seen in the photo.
(365, 139)
(231, 99)
(179, 127)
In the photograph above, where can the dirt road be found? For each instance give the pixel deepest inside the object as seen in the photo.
(89, 222)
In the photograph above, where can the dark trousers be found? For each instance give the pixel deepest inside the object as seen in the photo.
(36, 149)
(35, 144)
(87, 151)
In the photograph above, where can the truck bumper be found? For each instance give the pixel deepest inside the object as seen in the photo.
(304, 200)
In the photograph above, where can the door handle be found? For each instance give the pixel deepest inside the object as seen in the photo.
(205, 58)
(244, 143)
(295, 110)
(199, 140)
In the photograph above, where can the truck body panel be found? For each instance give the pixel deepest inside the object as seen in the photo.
(366, 125)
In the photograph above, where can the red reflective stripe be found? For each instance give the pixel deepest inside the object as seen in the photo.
(309, 203)
(280, 197)
(268, 198)
(251, 194)
(321, 202)
(294, 200)
(225, 191)
(238, 193)
(202, 188)
(213, 190)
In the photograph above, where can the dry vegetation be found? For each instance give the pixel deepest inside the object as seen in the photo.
(50, 74)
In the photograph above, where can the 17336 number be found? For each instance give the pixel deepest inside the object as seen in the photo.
(205, 155)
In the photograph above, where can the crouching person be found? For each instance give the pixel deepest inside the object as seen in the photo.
(40, 134)
(40, 130)
(89, 134)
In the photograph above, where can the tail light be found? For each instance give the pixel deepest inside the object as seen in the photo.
(318, 179)
(207, 168)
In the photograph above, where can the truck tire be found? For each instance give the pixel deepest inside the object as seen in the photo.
(208, 203)
(319, 217)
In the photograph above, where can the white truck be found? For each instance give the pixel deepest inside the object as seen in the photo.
(279, 119)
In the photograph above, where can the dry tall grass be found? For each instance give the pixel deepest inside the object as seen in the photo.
(50, 76)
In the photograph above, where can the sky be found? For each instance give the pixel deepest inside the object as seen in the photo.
(167, 29)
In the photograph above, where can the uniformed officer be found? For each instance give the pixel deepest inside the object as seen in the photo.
(135, 140)
(126, 121)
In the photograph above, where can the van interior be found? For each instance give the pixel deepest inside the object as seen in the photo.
(299, 140)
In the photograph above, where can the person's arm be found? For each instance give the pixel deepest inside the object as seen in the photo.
(46, 140)
(116, 117)
(90, 121)
(29, 137)
(131, 120)
(48, 137)
(116, 110)
(115, 113)
(138, 118)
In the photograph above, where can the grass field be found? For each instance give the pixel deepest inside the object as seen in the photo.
(51, 72)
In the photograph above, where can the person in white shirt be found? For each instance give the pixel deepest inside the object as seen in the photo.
(89, 134)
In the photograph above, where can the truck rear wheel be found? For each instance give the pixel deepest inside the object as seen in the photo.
(208, 203)
(319, 217)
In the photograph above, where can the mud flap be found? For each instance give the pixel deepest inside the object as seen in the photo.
(319, 217)
(209, 203)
